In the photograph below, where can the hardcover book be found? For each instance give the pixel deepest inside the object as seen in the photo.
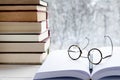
(22, 16)
(23, 27)
(23, 8)
(58, 66)
(22, 58)
(29, 37)
(23, 2)
(37, 46)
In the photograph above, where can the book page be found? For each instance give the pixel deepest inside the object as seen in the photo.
(110, 66)
(58, 64)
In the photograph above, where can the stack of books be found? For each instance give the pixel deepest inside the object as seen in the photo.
(24, 34)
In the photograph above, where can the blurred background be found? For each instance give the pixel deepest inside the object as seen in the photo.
(70, 21)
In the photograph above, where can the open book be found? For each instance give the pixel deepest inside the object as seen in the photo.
(58, 66)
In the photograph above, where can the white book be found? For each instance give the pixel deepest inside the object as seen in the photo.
(58, 66)
(23, 36)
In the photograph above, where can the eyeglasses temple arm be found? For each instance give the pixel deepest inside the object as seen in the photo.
(87, 43)
(111, 47)
(106, 56)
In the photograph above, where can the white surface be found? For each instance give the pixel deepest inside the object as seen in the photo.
(18, 72)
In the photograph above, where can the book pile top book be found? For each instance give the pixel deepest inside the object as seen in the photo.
(24, 33)
(58, 66)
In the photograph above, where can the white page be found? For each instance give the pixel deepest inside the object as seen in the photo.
(112, 64)
(60, 61)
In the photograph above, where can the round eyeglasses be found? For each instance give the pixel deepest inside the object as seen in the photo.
(75, 53)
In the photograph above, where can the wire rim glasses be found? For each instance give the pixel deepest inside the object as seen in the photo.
(75, 49)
